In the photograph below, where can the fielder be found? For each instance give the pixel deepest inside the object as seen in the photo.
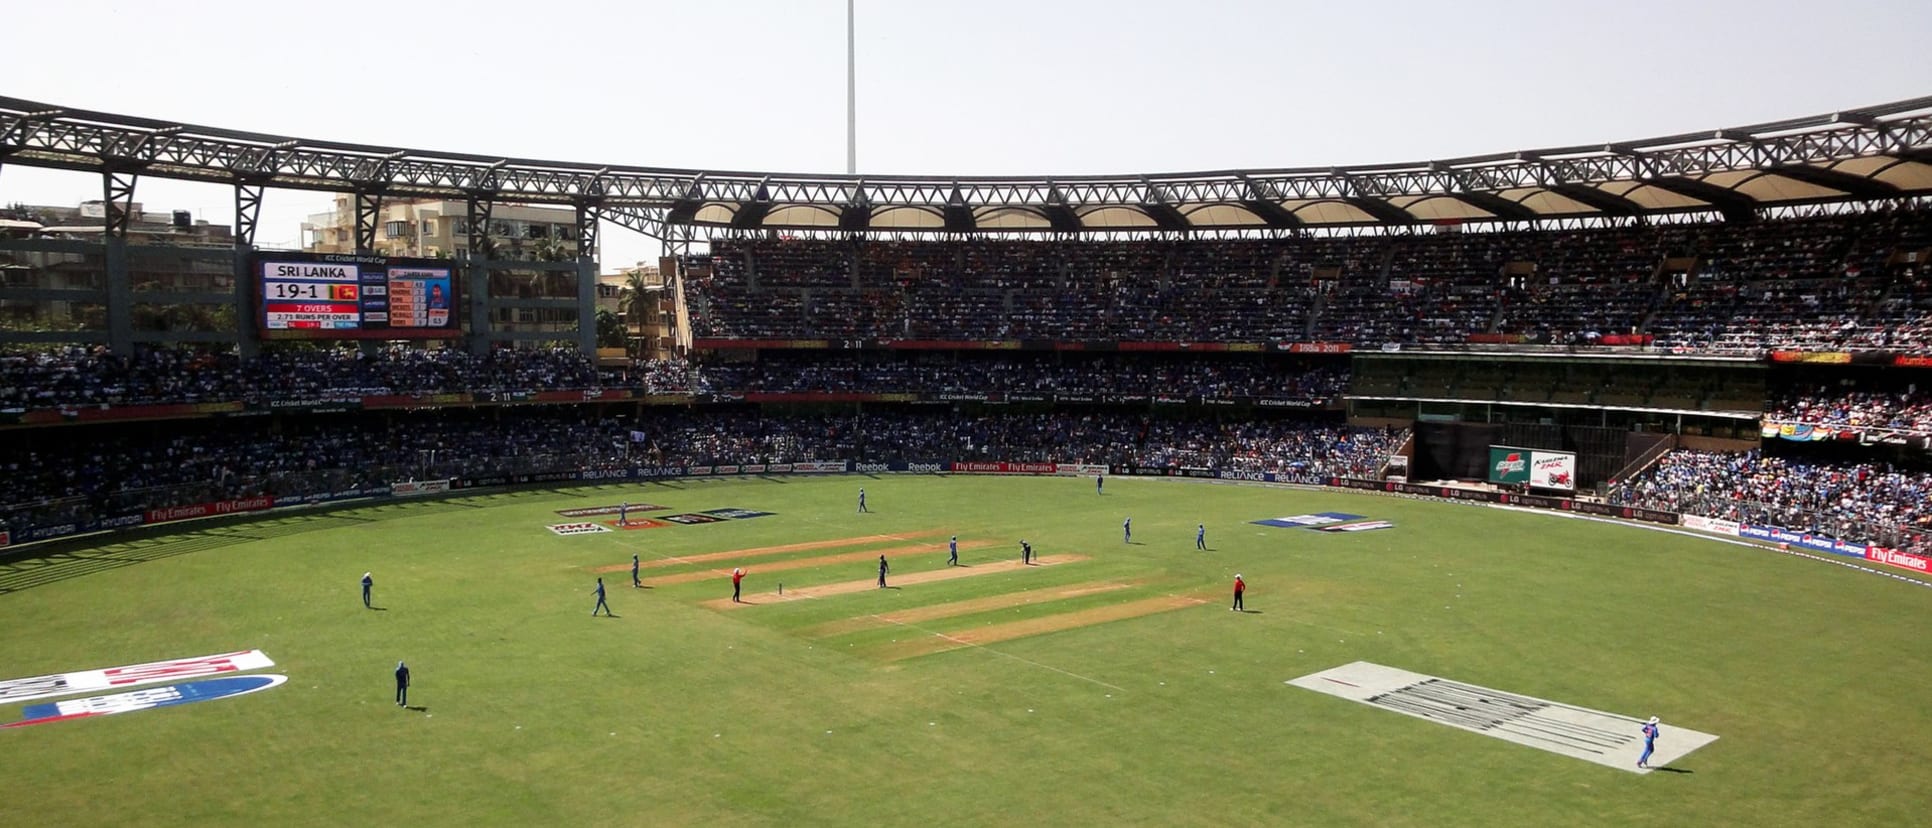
(1650, 742)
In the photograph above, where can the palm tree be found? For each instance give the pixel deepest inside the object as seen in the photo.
(633, 303)
(551, 250)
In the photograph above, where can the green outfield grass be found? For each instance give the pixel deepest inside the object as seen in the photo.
(850, 708)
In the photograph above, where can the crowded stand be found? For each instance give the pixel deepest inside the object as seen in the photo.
(88, 377)
(1855, 501)
(1908, 410)
(1108, 374)
(1855, 281)
(92, 376)
(108, 475)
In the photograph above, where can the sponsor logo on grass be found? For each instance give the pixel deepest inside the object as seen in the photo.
(637, 523)
(148, 699)
(62, 684)
(735, 514)
(1309, 521)
(567, 529)
(593, 511)
(1364, 526)
(691, 519)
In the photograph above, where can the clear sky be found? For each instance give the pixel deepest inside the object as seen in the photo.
(982, 87)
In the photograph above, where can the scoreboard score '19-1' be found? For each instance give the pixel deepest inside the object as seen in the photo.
(351, 297)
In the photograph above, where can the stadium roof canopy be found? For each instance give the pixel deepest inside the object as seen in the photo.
(1872, 153)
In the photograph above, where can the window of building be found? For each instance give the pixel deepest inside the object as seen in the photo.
(395, 229)
(460, 226)
(429, 227)
(566, 232)
(536, 230)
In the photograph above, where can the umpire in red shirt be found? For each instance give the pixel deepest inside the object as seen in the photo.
(1240, 586)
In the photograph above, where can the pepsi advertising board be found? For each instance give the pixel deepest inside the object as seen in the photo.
(336, 296)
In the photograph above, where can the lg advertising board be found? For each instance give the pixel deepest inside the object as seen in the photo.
(331, 296)
(1536, 469)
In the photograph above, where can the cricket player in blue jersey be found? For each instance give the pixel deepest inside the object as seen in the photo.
(367, 584)
(952, 551)
(1127, 531)
(635, 583)
(623, 513)
(1099, 484)
(1200, 536)
(1650, 742)
(862, 508)
(402, 684)
(600, 600)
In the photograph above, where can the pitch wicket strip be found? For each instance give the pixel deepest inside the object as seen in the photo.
(759, 551)
(822, 560)
(939, 642)
(911, 578)
(967, 607)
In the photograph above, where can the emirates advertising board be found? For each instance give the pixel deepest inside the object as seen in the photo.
(1538, 469)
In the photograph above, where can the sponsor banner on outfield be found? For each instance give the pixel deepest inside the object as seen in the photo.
(217, 507)
(63, 684)
(1552, 470)
(736, 514)
(1263, 477)
(917, 467)
(724, 469)
(1004, 468)
(690, 519)
(414, 488)
(1705, 524)
(614, 509)
(819, 467)
(637, 523)
(568, 529)
(330, 497)
(1079, 469)
(1308, 521)
(1806, 540)
(1902, 560)
(148, 699)
(1364, 526)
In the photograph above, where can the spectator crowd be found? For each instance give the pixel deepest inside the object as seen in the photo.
(1857, 502)
(62, 481)
(89, 377)
(1831, 282)
(1907, 410)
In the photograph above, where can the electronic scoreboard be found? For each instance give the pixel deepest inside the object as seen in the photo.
(322, 296)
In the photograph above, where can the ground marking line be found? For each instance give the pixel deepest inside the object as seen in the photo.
(938, 634)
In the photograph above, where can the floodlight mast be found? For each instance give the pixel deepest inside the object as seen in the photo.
(851, 95)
